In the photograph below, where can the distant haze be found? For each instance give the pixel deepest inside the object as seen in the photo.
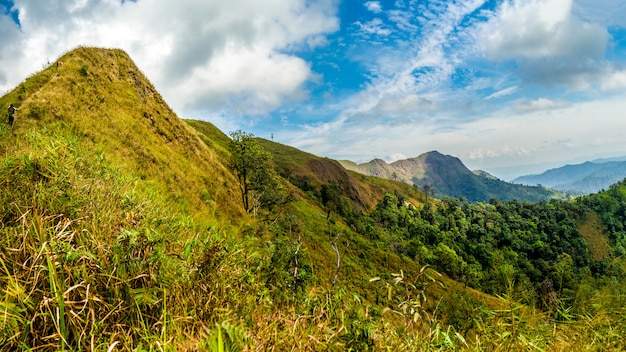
(511, 172)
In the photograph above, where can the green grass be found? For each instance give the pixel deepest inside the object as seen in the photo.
(121, 229)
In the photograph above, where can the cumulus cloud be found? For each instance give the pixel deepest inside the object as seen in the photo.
(551, 45)
(395, 157)
(505, 150)
(245, 82)
(577, 75)
(614, 81)
(229, 54)
(373, 6)
(541, 29)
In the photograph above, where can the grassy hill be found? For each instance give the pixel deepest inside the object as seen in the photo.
(131, 224)
(101, 98)
(122, 229)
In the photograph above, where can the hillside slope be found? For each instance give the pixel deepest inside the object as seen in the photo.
(306, 170)
(132, 205)
(444, 175)
(103, 98)
(114, 214)
(122, 229)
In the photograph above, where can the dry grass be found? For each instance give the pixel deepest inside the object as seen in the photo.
(121, 231)
(592, 229)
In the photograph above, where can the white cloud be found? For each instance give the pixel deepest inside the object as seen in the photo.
(549, 42)
(395, 157)
(245, 82)
(501, 151)
(375, 26)
(391, 106)
(552, 131)
(614, 81)
(535, 29)
(540, 104)
(502, 93)
(233, 53)
(410, 76)
(373, 6)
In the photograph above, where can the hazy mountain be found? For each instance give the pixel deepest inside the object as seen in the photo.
(585, 178)
(446, 175)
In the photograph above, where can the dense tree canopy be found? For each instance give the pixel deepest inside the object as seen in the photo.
(532, 250)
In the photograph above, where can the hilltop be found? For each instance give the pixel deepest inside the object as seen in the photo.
(123, 228)
(112, 108)
(445, 175)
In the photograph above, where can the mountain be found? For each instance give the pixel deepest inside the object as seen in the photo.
(585, 178)
(445, 175)
(131, 223)
(122, 228)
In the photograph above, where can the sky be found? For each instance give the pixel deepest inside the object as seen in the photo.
(508, 86)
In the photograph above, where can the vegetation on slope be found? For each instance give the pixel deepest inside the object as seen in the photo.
(107, 102)
(123, 229)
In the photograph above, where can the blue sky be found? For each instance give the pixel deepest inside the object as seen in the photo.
(511, 87)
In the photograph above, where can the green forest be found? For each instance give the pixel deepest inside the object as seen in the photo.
(126, 228)
(532, 252)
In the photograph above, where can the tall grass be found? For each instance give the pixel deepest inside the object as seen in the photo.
(100, 253)
(86, 256)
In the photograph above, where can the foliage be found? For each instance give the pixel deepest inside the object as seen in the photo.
(121, 229)
(253, 166)
(532, 249)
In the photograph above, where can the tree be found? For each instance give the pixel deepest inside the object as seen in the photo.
(331, 198)
(254, 169)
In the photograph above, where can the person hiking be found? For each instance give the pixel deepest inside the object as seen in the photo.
(12, 110)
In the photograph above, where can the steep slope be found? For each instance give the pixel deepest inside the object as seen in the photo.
(308, 171)
(104, 98)
(585, 178)
(444, 175)
(122, 230)
(118, 206)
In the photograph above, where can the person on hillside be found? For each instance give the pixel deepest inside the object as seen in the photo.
(12, 110)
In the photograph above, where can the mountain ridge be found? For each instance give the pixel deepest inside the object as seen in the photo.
(578, 179)
(122, 227)
(446, 175)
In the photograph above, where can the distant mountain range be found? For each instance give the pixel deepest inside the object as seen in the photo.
(445, 175)
(579, 179)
